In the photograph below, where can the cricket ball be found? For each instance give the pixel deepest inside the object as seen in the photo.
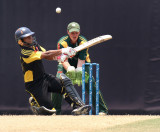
(58, 10)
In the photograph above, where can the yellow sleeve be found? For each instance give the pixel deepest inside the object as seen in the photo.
(82, 42)
(34, 56)
(43, 49)
(64, 44)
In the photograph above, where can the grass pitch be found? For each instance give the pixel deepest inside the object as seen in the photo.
(149, 125)
(67, 123)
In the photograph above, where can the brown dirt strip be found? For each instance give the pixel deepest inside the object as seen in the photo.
(67, 123)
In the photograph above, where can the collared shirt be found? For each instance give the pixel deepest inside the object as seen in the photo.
(31, 63)
(65, 41)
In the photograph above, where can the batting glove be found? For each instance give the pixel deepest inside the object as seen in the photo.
(69, 51)
(62, 58)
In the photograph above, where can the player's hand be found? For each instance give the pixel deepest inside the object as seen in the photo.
(79, 69)
(70, 69)
(62, 58)
(79, 76)
(69, 51)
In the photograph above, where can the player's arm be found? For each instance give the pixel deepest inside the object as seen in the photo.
(30, 55)
(80, 62)
(78, 70)
(66, 65)
(82, 58)
(51, 54)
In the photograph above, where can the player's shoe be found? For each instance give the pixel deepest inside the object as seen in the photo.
(33, 105)
(32, 102)
(37, 110)
(83, 110)
(43, 110)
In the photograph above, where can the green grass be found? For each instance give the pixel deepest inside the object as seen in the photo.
(151, 125)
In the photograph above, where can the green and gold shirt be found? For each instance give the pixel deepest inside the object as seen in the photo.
(65, 41)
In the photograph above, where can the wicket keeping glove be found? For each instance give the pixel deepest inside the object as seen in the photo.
(86, 77)
(71, 74)
(79, 76)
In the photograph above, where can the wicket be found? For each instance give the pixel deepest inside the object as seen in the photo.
(90, 85)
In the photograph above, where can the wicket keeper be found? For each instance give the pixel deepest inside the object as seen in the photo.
(73, 66)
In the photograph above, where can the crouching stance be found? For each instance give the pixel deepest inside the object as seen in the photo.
(38, 83)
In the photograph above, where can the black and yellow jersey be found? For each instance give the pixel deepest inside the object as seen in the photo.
(65, 41)
(31, 63)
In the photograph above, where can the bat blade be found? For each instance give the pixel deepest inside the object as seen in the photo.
(93, 42)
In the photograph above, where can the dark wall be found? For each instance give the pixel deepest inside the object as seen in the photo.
(129, 64)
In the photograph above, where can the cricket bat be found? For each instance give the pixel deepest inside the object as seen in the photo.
(93, 42)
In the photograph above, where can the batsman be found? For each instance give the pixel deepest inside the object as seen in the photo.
(72, 67)
(38, 83)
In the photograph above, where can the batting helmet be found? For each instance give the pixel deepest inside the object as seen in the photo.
(22, 33)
